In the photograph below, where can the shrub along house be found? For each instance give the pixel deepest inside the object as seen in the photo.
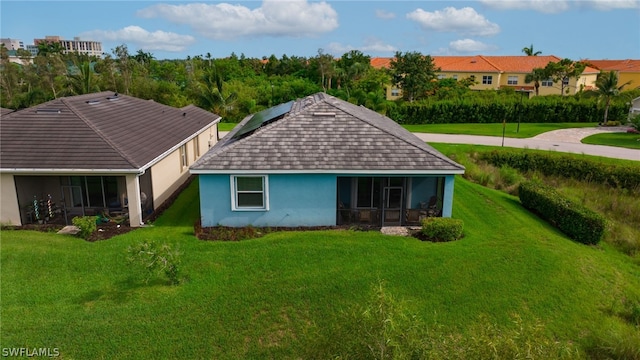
(321, 161)
(93, 153)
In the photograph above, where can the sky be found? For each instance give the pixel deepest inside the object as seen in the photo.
(578, 29)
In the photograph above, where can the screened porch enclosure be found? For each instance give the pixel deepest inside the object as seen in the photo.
(388, 201)
(57, 199)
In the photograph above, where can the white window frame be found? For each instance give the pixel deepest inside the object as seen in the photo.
(196, 148)
(546, 83)
(395, 91)
(512, 80)
(487, 79)
(184, 159)
(455, 77)
(265, 193)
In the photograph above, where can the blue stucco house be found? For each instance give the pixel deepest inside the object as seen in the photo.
(322, 161)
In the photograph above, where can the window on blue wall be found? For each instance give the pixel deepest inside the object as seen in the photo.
(249, 193)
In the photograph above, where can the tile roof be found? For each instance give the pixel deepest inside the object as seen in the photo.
(627, 65)
(482, 63)
(324, 134)
(100, 131)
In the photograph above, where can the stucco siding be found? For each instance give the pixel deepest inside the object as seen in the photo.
(294, 200)
(9, 210)
(168, 174)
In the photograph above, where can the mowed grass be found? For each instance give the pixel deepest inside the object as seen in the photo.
(263, 298)
(625, 140)
(511, 129)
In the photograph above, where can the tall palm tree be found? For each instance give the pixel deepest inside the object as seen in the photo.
(608, 88)
(536, 76)
(529, 51)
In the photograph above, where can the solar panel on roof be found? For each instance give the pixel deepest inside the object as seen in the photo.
(263, 117)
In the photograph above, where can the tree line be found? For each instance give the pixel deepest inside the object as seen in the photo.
(236, 86)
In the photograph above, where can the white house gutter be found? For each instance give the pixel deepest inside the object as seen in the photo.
(27, 171)
(329, 171)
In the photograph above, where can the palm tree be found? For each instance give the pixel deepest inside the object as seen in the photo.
(536, 76)
(529, 51)
(607, 89)
(212, 96)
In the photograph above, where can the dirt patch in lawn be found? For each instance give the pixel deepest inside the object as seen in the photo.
(227, 233)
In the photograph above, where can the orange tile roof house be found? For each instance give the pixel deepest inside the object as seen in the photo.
(628, 70)
(86, 154)
(495, 72)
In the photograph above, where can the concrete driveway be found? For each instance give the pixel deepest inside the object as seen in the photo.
(564, 140)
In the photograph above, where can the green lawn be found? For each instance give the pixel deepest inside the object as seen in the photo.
(272, 297)
(626, 140)
(526, 130)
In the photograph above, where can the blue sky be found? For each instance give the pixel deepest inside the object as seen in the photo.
(579, 29)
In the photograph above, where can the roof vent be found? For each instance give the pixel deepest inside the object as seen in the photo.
(47, 111)
(113, 98)
(473, 61)
(325, 113)
(93, 101)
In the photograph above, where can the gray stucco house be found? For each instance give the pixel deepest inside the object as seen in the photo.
(321, 161)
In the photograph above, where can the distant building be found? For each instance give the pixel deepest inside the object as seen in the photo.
(498, 72)
(91, 48)
(12, 44)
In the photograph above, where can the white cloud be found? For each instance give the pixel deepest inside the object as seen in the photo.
(143, 39)
(558, 6)
(386, 15)
(470, 46)
(463, 21)
(605, 5)
(370, 45)
(295, 18)
(544, 6)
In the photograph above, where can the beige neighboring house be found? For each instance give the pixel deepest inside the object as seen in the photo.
(499, 72)
(97, 153)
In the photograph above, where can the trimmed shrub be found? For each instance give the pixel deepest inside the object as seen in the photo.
(442, 229)
(578, 222)
(86, 224)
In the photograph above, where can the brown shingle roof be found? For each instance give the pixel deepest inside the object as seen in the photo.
(100, 131)
(323, 133)
(5, 111)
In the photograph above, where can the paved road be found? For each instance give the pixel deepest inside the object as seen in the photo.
(564, 140)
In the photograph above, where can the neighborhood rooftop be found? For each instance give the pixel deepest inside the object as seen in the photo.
(100, 131)
(321, 133)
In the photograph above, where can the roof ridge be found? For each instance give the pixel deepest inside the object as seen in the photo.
(75, 111)
(491, 63)
(426, 147)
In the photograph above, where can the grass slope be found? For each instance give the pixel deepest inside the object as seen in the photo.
(625, 140)
(260, 298)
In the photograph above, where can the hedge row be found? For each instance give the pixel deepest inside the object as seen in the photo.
(555, 164)
(578, 222)
(529, 111)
